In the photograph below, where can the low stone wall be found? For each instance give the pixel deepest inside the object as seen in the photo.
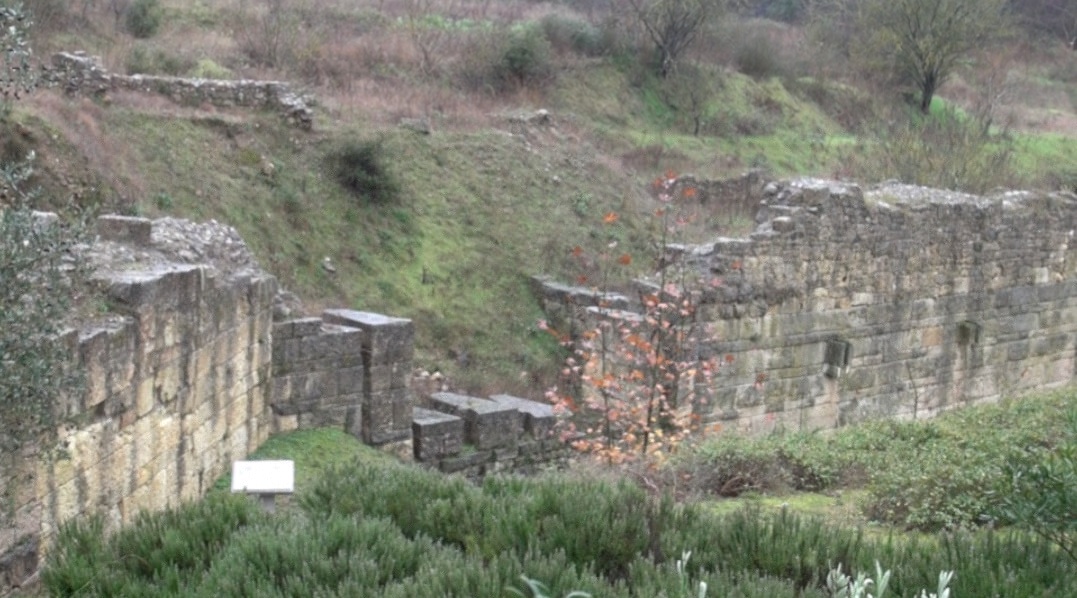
(78, 73)
(475, 436)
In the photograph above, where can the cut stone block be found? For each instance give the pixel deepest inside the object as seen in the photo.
(388, 340)
(536, 419)
(387, 416)
(297, 328)
(125, 229)
(435, 435)
(486, 423)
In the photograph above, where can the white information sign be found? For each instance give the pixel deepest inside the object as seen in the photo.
(263, 477)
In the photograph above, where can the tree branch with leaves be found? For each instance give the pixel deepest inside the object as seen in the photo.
(39, 273)
(637, 379)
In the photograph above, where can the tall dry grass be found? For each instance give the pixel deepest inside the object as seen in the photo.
(81, 123)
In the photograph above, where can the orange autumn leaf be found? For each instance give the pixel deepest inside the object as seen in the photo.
(690, 192)
(577, 251)
(581, 279)
(671, 174)
(610, 218)
(625, 259)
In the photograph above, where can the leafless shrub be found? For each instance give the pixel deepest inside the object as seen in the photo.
(267, 31)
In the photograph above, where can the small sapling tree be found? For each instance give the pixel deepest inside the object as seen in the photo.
(636, 378)
(37, 277)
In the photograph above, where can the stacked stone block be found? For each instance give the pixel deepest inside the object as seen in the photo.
(475, 436)
(387, 347)
(435, 435)
(347, 368)
(318, 375)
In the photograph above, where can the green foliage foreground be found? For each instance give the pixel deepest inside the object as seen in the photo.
(379, 528)
(955, 471)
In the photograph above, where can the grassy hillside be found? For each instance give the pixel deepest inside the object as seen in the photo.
(488, 198)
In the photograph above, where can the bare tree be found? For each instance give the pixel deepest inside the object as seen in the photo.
(672, 26)
(269, 30)
(428, 29)
(918, 43)
(1057, 18)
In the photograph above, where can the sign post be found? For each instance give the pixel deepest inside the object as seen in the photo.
(266, 479)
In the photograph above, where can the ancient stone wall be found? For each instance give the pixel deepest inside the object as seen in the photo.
(78, 73)
(897, 302)
(845, 305)
(733, 196)
(186, 371)
(177, 363)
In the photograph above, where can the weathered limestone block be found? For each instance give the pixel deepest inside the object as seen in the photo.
(536, 419)
(388, 340)
(173, 286)
(471, 463)
(487, 424)
(435, 435)
(296, 328)
(387, 415)
(390, 376)
(125, 229)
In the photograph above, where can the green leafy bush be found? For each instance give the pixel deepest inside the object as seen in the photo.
(941, 489)
(525, 58)
(148, 60)
(499, 61)
(944, 149)
(1040, 493)
(386, 529)
(143, 18)
(756, 56)
(208, 69)
(729, 466)
(361, 167)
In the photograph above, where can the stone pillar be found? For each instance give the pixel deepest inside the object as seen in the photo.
(388, 350)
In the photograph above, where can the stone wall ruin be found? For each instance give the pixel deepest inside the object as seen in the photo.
(847, 304)
(78, 73)
(186, 371)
